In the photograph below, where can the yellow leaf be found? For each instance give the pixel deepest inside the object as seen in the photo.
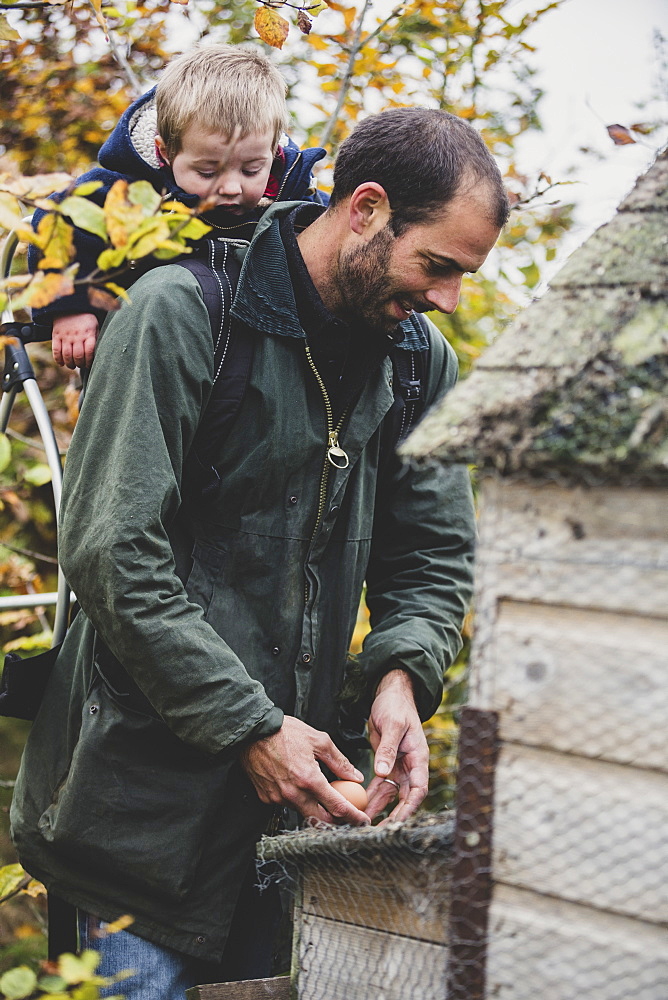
(7, 33)
(120, 924)
(38, 186)
(10, 211)
(46, 288)
(35, 890)
(121, 216)
(97, 7)
(317, 8)
(271, 27)
(11, 877)
(111, 259)
(55, 239)
(117, 290)
(148, 237)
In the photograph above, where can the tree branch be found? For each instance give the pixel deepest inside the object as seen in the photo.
(348, 75)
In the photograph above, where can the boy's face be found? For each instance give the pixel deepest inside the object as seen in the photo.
(235, 173)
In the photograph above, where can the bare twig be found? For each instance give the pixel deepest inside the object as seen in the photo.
(348, 75)
(119, 56)
(37, 556)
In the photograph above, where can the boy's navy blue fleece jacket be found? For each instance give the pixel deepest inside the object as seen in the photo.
(129, 154)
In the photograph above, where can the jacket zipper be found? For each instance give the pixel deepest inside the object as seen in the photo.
(335, 455)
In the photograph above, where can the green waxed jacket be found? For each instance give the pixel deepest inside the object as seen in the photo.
(224, 612)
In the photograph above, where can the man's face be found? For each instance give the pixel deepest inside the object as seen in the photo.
(389, 277)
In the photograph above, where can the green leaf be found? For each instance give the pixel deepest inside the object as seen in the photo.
(86, 215)
(52, 985)
(18, 983)
(11, 877)
(38, 475)
(77, 969)
(531, 274)
(5, 453)
(144, 194)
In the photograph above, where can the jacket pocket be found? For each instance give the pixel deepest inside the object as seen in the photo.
(136, 803)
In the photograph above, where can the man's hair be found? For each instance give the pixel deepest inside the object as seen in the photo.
(423, 158)
(227, 89)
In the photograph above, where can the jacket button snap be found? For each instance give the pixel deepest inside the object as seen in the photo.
(275, 650)
(200, 939)
(93, 709)
(294, 499)
(306, 657)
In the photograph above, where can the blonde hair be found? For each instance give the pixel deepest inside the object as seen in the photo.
(227, 89)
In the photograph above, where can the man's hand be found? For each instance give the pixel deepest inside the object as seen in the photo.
(400, 748)
(73, 340)
(284, 770)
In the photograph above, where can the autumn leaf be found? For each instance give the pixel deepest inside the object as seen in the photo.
(7, 33)
(271, 27)
(45, 288)
(620, 135)
(194, 229)
(304, 22)
(55, 240)
(85, 214)
(148, 237)
(121, 216)
(11, 877)
(144, 194)
(10, 211)
(100, 299)
(117, 290)
(36, 187)
(87, 188)
(101, 20)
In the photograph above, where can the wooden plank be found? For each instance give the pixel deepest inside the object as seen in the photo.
(596, 548)
(582, 830)
(400, 895)
(586, 682)
(545, 949)
(341, 961)
(277, 988)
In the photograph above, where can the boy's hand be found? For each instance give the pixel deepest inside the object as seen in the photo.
(73, 340)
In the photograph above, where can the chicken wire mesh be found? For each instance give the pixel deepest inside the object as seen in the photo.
(544, 874)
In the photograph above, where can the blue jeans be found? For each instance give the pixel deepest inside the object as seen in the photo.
(164, 974)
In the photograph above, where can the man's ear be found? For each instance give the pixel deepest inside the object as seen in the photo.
(161, 151)
(369, 209)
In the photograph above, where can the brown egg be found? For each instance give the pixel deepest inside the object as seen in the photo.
(356, 794)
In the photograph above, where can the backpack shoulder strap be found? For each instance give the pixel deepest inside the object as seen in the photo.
(232, 356)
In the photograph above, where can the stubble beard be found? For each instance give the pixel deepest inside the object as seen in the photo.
(363, 282)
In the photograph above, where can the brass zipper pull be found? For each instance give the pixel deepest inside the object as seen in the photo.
(336, 456)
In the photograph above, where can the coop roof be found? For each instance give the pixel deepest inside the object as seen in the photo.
(577, 385)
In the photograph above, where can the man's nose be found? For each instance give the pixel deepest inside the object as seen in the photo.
(444, 296)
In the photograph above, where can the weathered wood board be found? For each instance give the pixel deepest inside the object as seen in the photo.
(586, 682)
(394, 898)
(543, 948)
(343, 961)
(598, 549)
(277, 988)
(583, 830)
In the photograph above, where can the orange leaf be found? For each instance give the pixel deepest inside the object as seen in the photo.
(103, 300)
(45, 288)
(121, 216)
(620, 135)
(271, 27)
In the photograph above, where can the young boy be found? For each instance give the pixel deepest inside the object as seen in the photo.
(212, 128)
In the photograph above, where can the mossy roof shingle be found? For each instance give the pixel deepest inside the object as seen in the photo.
(577, 384)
